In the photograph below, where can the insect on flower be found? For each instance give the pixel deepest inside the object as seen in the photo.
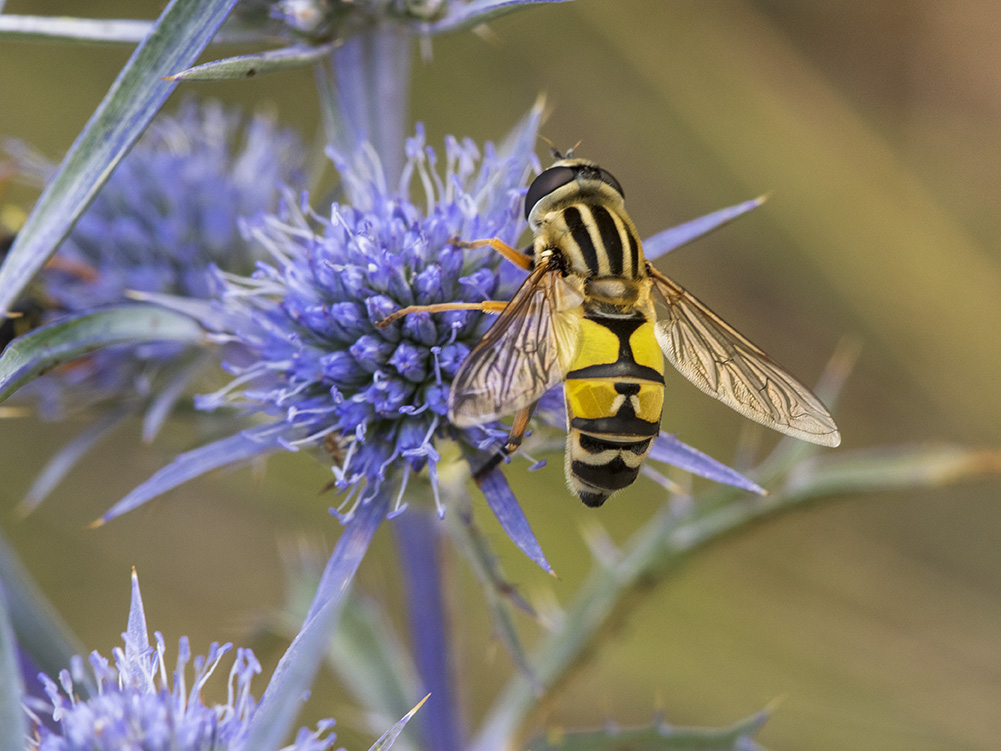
(585, 316)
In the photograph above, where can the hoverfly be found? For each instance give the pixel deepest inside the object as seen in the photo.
(586, 317)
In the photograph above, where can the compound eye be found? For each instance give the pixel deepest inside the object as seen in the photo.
(546, 183)
(606, 177)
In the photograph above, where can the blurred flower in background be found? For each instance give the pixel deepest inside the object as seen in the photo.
(168, 214)
(140, 703)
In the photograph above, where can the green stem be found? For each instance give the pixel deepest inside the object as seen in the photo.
(612, 590)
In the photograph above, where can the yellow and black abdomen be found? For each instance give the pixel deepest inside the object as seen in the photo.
(614, 392)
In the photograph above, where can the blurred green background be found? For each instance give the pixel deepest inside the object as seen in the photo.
(875, 125)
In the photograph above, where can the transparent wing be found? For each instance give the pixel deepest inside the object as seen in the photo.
(721, 362)
(517, 360)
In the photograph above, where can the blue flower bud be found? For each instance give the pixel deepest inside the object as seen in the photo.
(371, 352)
(436, 397)
(380, 306)
(421, 328)
(348, 320)
(451, 260)
(412, 435)
(451, 358)
(410, 361)
(388, 396)
(378, 272)
(354, 412)
(427, 285)
(477, 286)
(341, 367)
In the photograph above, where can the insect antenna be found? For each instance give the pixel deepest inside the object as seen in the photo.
(552, 148)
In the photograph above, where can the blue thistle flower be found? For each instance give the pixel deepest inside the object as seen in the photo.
(134, 704)
(307, 319)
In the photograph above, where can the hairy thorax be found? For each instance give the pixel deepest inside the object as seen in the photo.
(616, 293)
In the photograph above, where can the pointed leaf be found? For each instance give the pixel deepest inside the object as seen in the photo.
(136, 634)
(175, 41)
(237, 448)
(12, 718)
(257, 64)
(297, 668)
(201, 309)
(66, 458)
(359, 528)
(54, 344)
(668, 449)
(523, 137)
(675, 237)
(390, 736)
(512, 519)
(51, 28)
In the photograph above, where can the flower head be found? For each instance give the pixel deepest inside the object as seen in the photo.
(135, 704)
(377, 399)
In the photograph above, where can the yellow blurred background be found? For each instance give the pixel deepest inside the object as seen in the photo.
(875, 126)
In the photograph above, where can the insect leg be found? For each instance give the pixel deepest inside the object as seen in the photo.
(487, 306)
(517, 257)
(514, 439)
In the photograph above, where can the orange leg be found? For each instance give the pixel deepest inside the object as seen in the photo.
(487, 306)
(518, 428)
(514, 256)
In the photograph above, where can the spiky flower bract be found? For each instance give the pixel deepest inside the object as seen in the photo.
(139, 703)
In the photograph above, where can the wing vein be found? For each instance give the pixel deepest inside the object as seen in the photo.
(727, 366)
